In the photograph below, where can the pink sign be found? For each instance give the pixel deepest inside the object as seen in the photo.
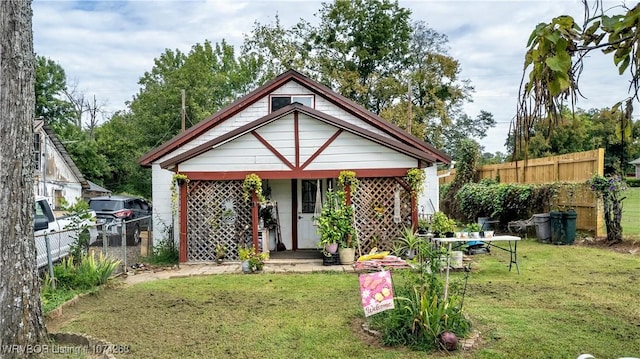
(376, 292)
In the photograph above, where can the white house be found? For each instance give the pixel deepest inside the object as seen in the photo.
(56, 176)
(636, 163)
(295, 134)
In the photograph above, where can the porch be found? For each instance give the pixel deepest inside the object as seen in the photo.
(215, 217)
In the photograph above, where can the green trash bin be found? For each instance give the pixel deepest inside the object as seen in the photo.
(569, 226)
(557, 234)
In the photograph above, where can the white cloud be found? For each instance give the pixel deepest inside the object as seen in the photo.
(106, 46)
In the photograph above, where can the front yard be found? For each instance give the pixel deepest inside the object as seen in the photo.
(567, 300)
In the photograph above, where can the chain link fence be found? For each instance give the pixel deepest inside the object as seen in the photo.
(126, 241)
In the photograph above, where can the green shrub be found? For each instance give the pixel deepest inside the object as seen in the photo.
(70, 279)
(421, 314)
(164, 252)
(504, 202)
(633, 182)
(87, 274)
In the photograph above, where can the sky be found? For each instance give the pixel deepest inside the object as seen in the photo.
(106, 46)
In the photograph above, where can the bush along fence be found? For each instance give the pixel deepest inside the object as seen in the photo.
(511, 202)
(555, 183)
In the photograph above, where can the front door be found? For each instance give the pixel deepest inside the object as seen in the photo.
(308, 236)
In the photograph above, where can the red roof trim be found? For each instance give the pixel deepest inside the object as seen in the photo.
(264, 90)
(297, 173)
(272, 149)
(295, 108)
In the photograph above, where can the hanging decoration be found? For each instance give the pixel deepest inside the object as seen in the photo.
(397, 218)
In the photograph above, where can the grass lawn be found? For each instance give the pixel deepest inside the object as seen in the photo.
(567, 300)
(631, 213)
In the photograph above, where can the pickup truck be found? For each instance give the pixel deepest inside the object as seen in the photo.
(62, 232)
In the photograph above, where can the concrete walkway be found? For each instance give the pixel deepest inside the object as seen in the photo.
(271, 266)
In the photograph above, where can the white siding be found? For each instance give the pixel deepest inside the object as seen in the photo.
(329, 108)
(55, 175)
(292, 88)
(161, 194)
(261, 107)
(245, 153)
(429, 200)
(279, 134)
(349, 151)
(313, 134)
(251, 113)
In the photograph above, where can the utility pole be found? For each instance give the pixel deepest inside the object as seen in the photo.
(409, 109)
(182, 112)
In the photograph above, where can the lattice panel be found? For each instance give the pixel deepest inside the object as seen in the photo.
(374, 203)
(216, 214)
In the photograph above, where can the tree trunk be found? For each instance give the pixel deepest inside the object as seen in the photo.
(21, 320)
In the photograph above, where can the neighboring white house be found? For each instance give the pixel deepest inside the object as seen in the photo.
(295, 134)
(636, 163)
(55, 174)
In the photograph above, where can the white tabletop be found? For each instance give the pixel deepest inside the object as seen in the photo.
(494, 238)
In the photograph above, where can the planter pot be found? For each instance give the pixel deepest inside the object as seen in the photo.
(246, 267)
(448, 341)
(410, 253)
(347, 255)
(331, 248)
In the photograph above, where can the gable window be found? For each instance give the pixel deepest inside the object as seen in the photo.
(278, 102)
(36, 151)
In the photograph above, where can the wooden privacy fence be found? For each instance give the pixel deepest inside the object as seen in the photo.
(572, 168)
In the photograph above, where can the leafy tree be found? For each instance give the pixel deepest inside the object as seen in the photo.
(584, 131)
(54, 104)
(272, 49)
(21, 317)
(360, 48)
(554, 62)
(488, 158)
(466, 172)
(211, 76)
(119, 141)
(50, 88)
(370, 52)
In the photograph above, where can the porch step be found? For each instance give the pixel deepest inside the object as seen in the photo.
(289, 261)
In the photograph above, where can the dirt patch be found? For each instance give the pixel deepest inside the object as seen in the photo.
(372, 338)
(627, 246)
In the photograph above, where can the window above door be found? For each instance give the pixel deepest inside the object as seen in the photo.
(279, 101)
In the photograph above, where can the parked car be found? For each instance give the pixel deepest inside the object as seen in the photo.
(131, 210)
(62, 232)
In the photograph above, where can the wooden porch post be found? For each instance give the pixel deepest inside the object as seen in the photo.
(414, 212)
(347, 194)
(254, 219)
(182, 223)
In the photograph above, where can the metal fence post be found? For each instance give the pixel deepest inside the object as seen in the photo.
(105, 227)
(49, 261)
(123, 243)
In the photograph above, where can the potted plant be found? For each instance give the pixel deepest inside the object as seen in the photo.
(251, 261)
(442, 225)
(335, 226)
(221, 251)
(423, 226)
(408, 243)
(474, 230)
(252, 183)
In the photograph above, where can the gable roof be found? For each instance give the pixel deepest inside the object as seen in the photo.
(55, 141)
(344, 103)
(635, 162)
(296, 107)
(97, 188)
